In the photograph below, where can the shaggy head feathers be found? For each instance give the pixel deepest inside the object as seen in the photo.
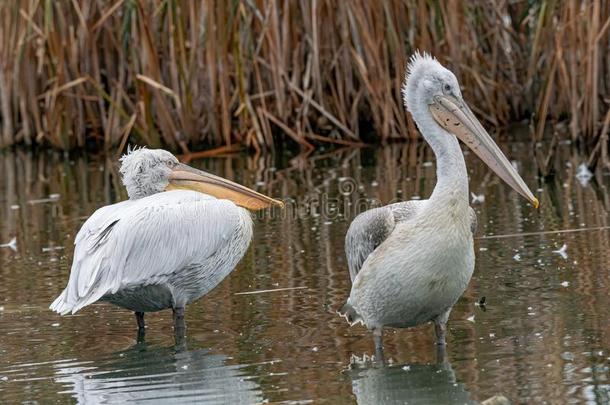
(424, 79)
(146, 171)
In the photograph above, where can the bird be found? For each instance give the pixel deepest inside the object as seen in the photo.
(410, 261)
(180, 233)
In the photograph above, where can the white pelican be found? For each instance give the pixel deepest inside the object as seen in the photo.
(181, 232)
(409, 262)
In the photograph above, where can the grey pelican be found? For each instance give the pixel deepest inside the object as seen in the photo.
(409, 262)
(181, 232)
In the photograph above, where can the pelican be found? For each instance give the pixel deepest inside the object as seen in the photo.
(181, 232)
(409, 262)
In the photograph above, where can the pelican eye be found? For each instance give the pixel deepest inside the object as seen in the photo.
(447, 88)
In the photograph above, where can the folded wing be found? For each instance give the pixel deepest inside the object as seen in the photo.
(369, 229)
(141, 242)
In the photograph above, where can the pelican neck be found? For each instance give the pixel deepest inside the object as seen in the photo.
(451, 174)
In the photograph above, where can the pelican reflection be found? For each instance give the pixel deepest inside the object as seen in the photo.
(408, 384)
(146, 373)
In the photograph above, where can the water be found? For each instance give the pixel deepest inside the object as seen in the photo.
(544, 337)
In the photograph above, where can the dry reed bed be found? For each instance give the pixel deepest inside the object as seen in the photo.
(225, 74)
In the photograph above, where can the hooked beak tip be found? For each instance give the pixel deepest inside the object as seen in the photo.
(535, 203)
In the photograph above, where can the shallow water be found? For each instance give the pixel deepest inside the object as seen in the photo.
(544, 337)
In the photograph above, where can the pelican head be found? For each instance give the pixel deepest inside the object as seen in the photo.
(432, 95)
(149, 171)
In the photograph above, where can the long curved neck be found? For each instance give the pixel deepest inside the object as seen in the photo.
(452, 178)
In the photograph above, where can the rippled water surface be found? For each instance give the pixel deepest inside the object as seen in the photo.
(543, 338)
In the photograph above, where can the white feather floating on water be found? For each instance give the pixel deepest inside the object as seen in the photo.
(477, 198)
(51, 248)
(583, 174)
(51, 198)
(562, 251)
(12, 244)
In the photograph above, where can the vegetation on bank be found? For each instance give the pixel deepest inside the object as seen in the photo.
(247, 73)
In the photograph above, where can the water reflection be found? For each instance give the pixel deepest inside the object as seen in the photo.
(545, 336)
(409, 383)
(148, 373)
(375, 382)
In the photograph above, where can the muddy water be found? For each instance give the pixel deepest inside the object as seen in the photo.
(543, 338)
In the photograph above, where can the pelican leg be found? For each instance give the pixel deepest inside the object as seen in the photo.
(179, 324)
(141, 326)
(378, 338)
(441, 354)
(440, 327)
(140, 319)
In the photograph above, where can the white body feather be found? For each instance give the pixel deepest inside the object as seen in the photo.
(161, 251)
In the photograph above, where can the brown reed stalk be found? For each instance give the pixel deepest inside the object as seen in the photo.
(193, 75)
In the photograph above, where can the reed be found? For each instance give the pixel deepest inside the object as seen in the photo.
(254, 73)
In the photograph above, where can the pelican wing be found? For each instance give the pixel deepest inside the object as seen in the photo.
(369, 229)
(142, 241)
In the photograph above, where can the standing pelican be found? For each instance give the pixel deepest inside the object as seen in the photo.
(181, 232)
(409, 262)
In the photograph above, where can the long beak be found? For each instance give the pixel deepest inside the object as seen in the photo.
(454, 116)
(186, 177)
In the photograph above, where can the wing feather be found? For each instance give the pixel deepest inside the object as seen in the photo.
(143, 241)
(369, 229)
